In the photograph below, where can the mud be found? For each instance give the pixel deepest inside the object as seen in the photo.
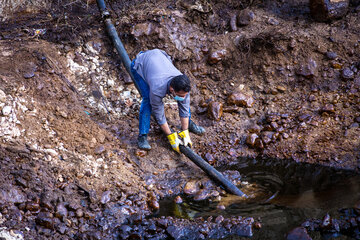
(68, 118)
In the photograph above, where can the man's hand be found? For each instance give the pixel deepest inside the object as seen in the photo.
(174, 141)
(185, 137)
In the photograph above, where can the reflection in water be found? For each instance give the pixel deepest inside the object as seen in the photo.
(282, 195)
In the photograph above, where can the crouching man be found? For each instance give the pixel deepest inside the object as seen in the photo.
(157, 77)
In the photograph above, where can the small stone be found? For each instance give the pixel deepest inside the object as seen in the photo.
(354, 125)
(221, 207)
(347, 74)
(250, 112)
(141, 153)
(6, 110)
(327, 222)
(273, 21)
(220, 218)
(254, 129)
(298, 233)
(191, 187)
(328, 108)
(154, 204)
(257, 225)
(233, 23)
(331, 55)
(32, 206)
(285, 135)
(217, 56)
(2, 96)
(28, 75)
(110, 83)
(100, 149)
(241, 100)
(259, 144)
(281, 89)
(209, 158)
(61, 211)
(357, 119)
(215, 110)
(308, 70)
(251, 139)
(105, 197)
(45, 219)
(178, 200)
(245, 17)
(79, 213)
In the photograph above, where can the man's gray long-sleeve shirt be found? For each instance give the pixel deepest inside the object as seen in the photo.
(156, 68)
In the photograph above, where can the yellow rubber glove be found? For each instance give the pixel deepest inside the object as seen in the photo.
(185, 137)
(174, 141)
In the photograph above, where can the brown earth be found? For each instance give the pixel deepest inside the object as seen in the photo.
(58, 137)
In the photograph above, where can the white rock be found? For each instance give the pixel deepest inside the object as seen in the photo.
(111, 83)
(6, 110)
(52, 152)
(2, 96)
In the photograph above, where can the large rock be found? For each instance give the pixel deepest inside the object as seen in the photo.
(325, 10)
(245, 17)
(308, 70)
(241, 100)
(215, 110)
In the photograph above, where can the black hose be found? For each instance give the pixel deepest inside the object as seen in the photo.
(211, 171)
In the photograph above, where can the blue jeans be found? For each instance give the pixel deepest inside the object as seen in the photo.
(145, 108)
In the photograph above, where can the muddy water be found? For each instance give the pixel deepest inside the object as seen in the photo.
(283, 196)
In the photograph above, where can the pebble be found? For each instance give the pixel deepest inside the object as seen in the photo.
(202, 195)
(307, 70)
(250, 112)
(99, 149)
(191, 187)
(241, 100)
(45, 219)
(347, 74)
(281, 89)
(178, 200)
(233, 23)
(28, 75)
(61, 211)
(357, 119)
(331, 55)
(2, 96)
(251, 139)
(217, 56)
(328, 108)
(245, 17)
(105, 197)
(6, 110)
(209, 158)
(220, 218)
(215, 110)
(273, 21)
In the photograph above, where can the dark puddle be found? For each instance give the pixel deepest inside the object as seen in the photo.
(283, 196)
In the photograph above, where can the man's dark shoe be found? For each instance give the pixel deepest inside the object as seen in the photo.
(195, 128)
(143, 142)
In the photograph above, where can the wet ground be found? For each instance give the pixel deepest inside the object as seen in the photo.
(283, 195)
(274, 84)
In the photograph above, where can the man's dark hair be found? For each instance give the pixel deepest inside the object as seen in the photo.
(180, 83)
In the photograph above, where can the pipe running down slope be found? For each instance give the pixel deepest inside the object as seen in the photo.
(188, 152)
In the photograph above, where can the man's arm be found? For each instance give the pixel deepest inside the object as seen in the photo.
(184, 123)
(165, 128)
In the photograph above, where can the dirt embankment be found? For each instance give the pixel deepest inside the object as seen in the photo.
(267, 82)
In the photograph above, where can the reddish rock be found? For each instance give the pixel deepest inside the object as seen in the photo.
(241, 100)
(215, 110)
(217, 56)
(191, 187)
(178, 200)
(251, 139)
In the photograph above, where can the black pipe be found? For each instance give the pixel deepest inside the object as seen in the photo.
(188, 152)
(111, 30)
(211, 171)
